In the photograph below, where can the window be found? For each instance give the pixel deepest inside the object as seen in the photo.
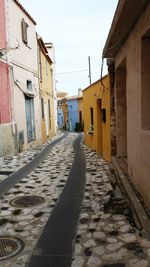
(29, 85)
(49, 113)
(30, 118)
(24, 27)
(91, 113)
(42, 107)
(49, 108)
(40, 65)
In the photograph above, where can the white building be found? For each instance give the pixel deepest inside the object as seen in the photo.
(22, 57)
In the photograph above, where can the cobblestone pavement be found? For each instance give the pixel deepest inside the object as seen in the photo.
(15, 162)
(46, 181)
(105, 237)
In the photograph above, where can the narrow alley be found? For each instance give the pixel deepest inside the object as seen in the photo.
(68, 211)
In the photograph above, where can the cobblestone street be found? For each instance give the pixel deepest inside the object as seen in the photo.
(105, 237)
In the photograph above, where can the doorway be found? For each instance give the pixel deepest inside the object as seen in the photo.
(30, 120)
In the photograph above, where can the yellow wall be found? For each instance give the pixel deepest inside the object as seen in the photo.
(80, 107)
(46, 92)
(95, 97)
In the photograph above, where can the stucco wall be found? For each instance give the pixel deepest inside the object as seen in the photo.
(5, 110)
(2, 25)
(90, 97)
(72, 113)
(8, 144)
(51, 52)
(97, 98)
(46, 92)
(24, 64)
(138, 140)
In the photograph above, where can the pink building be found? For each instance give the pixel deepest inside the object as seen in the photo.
(19, 85)
(5, 111)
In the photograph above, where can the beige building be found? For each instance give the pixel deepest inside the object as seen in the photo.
(46, 92)
(128, 52)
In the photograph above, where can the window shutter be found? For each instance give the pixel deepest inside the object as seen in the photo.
(24, 27)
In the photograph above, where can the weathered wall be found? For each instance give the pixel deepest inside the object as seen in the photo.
(24, 67)
(46, 92)
(73, 116)
(5, 110)
(106, 139)
(8, 144)
(138, 139)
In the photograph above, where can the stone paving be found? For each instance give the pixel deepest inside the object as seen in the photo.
(46, 181)
(106, 238)
(15, 162)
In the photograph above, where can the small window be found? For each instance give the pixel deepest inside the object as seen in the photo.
(42, 107)
(29, 85)
(49, 113)
(40, 65)
(92, 120)
(24, 27)
(49, 108)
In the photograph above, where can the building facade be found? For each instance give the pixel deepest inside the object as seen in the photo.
(6, 126)
(46, 92)
(62, 114)
(20, 55)
(51, 52)
(96, 107)
(128, 52)
(73, 113)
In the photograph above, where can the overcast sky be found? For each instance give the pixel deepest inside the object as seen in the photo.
(77, 29)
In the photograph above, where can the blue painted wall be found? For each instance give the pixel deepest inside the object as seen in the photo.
(73, 116)
(60, 118)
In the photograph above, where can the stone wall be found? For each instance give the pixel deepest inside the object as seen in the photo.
(8, 143)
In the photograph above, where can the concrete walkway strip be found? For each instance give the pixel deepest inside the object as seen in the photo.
(54, 248)
(17, 176)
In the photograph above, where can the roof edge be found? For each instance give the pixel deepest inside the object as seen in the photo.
(25, 11)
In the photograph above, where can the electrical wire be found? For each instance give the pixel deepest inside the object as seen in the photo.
(70, 72)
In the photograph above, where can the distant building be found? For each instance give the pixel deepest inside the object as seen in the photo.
(62, 114)
(128, 52)
(70, 111)
(96, 107)
(61, 95)
(73, 113)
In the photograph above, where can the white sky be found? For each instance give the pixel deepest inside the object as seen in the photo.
(77, 29)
